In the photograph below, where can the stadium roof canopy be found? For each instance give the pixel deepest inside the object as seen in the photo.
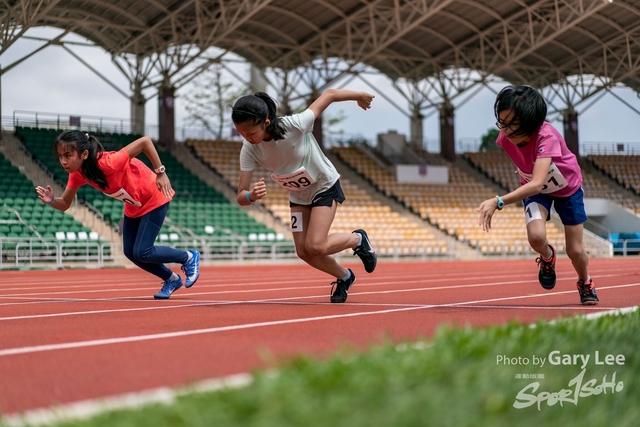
(522, 41)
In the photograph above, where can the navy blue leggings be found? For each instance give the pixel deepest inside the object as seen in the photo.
(138, 237)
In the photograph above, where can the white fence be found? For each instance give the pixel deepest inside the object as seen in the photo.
(53, 253)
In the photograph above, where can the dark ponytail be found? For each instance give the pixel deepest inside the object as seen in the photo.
(256, 109)
(82, 142)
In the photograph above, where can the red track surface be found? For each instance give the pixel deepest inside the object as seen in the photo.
(83, 334)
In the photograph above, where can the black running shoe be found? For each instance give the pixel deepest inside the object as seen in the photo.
(365, 252)
(547, 274)
(587, 292)
(342, 288)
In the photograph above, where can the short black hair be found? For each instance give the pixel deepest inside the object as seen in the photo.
(528, 106)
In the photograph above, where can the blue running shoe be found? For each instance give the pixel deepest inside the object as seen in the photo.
(169, 287)
(191, 269)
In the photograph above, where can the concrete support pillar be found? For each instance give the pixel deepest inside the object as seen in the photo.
(137, 111)
(166, 116)
(447, 137)
(317, 124)
(417, 134)
(570, 121)
(257, 80)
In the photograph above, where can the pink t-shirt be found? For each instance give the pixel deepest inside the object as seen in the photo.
(129, 180)
(564, 177)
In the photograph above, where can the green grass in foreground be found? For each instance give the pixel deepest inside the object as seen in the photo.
(456, 380)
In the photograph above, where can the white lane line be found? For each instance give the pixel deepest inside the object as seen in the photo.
(380, 280)
(231, 288)
(138, 338)
(296, 300)
(109, 341)
(118, 310)
(613, 312)
(84, 409)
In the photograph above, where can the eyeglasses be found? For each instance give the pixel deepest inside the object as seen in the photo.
(511, 126)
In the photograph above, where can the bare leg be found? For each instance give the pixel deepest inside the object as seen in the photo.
(575, 250)
(314, 244)
(537, 234)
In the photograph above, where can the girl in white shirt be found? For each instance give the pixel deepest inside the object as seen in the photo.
(286, 146)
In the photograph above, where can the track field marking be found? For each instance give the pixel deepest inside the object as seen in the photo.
(138, 338)
(232, 290)
(109, 341)
(238, 281)
(85, 409)
(191, 303)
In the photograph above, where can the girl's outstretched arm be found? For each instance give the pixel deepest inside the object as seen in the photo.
(330, 96)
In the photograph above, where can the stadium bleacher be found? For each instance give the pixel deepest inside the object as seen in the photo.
(451, 207)
(196, 210)
(391, 232)
(199, 211)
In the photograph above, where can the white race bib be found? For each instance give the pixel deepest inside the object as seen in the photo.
(296, 222)
(532, 212)
(123, 196)
(555, 180)
(295, 181)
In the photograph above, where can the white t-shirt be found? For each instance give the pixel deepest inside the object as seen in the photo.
(298, 149)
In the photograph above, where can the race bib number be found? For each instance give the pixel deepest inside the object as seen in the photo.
(532, 212)
(296, 222)
(296, 181)
(555, 180)
(123, 196)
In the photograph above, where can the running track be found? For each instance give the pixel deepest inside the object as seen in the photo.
(73, 335)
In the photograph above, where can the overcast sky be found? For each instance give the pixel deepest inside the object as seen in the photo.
(54, 81)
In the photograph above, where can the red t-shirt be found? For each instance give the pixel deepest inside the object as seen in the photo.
(129, 180)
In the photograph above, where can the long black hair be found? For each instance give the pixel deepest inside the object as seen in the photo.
(256, 109)
(528, 106)
(81, 142)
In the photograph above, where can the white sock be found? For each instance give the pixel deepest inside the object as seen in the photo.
(189, 256)
(174, 276)
(347, 277)
(360, 237)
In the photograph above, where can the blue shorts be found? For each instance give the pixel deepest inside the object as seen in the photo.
(570, 209)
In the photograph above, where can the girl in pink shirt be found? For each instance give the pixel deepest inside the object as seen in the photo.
(550, 176)
(145, 193)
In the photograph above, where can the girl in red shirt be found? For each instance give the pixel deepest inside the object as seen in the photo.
(146, 195)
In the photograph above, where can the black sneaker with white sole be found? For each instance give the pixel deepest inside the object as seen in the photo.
(365, 252)
(547, 273)
(342, 288)
(587, 292)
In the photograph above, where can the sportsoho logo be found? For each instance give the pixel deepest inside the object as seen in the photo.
(578, 387)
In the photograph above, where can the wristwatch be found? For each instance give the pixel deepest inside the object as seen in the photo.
(160, 170)
(500, 203)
